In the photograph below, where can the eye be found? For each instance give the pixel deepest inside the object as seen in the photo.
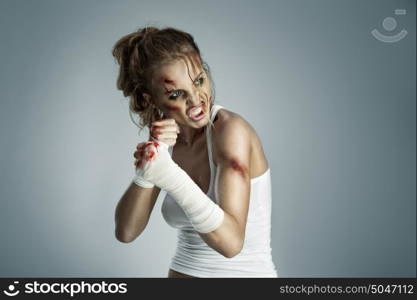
(174, 96)
(200, 80)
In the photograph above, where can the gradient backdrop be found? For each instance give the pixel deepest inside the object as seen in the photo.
(335, 109)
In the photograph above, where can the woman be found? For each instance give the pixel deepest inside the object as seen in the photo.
(208, 159)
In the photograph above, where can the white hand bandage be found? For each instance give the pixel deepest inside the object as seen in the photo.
(161, 170)
(138, 179)
(142, 182)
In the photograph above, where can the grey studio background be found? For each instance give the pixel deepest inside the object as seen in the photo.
(335, 109)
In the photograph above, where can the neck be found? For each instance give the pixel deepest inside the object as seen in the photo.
(189, 136)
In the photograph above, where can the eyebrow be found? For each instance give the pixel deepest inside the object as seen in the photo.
(169, 91)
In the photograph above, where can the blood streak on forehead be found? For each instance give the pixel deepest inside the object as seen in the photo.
(168, 81)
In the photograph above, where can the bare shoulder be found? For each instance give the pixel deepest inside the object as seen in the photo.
(227, 122)
(232, 135)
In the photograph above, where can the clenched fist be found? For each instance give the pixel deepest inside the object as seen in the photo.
(154, 165)
(165, 131)
(145, 152)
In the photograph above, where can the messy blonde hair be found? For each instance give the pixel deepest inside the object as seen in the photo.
(139, 54)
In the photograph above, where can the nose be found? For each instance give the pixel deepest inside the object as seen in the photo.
(195, 99)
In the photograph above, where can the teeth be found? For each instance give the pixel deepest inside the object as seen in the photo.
(194, 112)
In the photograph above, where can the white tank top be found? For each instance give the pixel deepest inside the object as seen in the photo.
(194, 257)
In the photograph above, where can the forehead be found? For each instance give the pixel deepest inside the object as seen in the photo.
(180, 71)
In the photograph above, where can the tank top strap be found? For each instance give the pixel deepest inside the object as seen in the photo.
(213, 112)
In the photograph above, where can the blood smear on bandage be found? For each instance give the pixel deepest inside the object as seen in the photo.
(151, 156)
(150, 153)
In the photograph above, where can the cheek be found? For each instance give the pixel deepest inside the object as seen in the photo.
(171, 108)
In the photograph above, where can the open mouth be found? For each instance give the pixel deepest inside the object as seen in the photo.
(196, 113)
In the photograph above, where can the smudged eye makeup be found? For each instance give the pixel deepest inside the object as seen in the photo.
(174, 94)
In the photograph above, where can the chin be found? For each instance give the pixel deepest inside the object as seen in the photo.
(199, 124)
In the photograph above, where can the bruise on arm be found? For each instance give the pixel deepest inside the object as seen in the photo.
(233, 164)
(232, 147)
(238, 167)
(232, 143)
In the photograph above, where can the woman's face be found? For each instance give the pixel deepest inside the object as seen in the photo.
(182, 92)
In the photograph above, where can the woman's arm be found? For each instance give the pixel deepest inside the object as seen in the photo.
(232, 148)
(135, 207)
(221, 226)
(133, 212)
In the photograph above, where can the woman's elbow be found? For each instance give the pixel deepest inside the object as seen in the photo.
(234, 250)
(124, 237)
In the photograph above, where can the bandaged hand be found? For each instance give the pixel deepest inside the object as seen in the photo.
(139, 163)
(159, 169)
(155, 165)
